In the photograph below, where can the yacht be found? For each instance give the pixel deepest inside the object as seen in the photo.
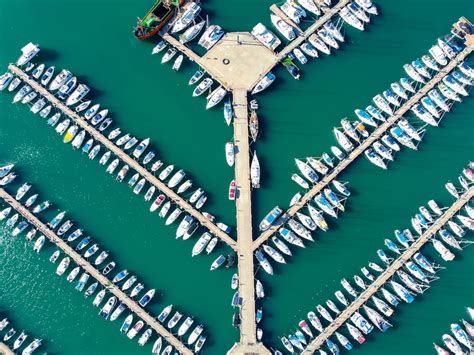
(174, 320)
(453, 84)
(328, 38)
(421, 68)
(324, 313)
(218, 262)
(201, 244)
(380, 322)
(359, 12)
(255, 171)
(325, 205)
(264, 263)
(438, 55)
(185, 326)
(14, 84)
(203, 87)
(400, 135)
(177, 63)
(25, 89)
(159, 47)
(195, 334)
(391, 97)
(164, 313)
(190, 11)
(290, 237)
(361, 323)
(412, 73)
(375, 158)
(452, 344)
(146, 298)
(382, 104)
(145, 337)
(192, 33)
(368, 6)
(270, 218)
(309, 50)
(307, 171)
(211, 36)
(132, 333)
(439, 100)
(319, 44)
(264, 83)
(383, 151)
(285, 29)
(275, 255)
(78, 94)
(309, 5)
(265, 36)
(293, 11)
(215, 97)
(28, 52)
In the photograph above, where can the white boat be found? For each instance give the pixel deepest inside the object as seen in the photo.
(264, 83)
(192, 32)
(176, 178)
(201, 244)
(28, 52)
(265, 36)
(62, 78)
(159, 47)
(452, 344)
(444, 252)
(195, 334)
(230, 153)
(145, 337)
(14, 84)
(293, 11)
(215, 97)
(211, 36)
(342, 139)
(63, 265)
(375, 158)
(5, 80)
(190, 11)
(328, 38)
(78, 94)
(135, 329)
(438, 55)
(264, 263)
(177, 63)
(275, 255)
(255, 171)
(185, 326)
(169, 55)
(20, 340)
(203, 87)
(285, 29)
(319, 44)
(35, 344)
(349, 17)
(300, 56)
(382, 104)
(412, 73)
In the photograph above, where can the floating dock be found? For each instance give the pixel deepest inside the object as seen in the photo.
(5, 350)
(153, 180)
(389, 272)
(94, 273)
(376, 134)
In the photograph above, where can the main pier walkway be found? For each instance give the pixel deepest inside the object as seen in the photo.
(125, 157)
(248, 328)
(376, 134)
(79, 260)
(389, 272)
(5, 350)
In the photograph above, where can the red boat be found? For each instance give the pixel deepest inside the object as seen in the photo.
(159, 200)
(232, 190)
(156, 18)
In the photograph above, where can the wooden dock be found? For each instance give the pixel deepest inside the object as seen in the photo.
(94, 273)
(5, 350)
(153, 180)
(376, 134)
(389, 272)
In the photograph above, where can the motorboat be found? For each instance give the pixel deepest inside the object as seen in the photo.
(421, 68)
(177, 63)
(28, 52)
(215, 97)
(77, 95)
(327, 38)
(132, 333)
(218, 262)
(5, 80)
(270, 218)
(290, 237)
(203, 87)
(307, 171)
(196, 77)
(35, 344)
(25, 89)
(191, 33)
(361, 323)
(293, 11)
(324, 313)
(285, 29)
(264, 263)
(265, 36)
(309, 50)
(188, 322)
(164, 313)
(325, 205)
(391, 97)
(189, 12)
(438, 55)
(159, 47)
(66, 89)
(146, 298)
(359, 12)
(29, 97)
(211, 36)
(91, 251)
(452, 344)
(264, 83)
(281, 246)
(382, 150)
(41, 207)
(275, 255)
(400, 135)
(201, 340)
(201, 244)
(368, 6)
(310, 6)
(195, 334)
(14, 84)
(99, 117)
(169, 55)
(45, 111)
(136, 290)
(413, 73)
(145, 337)
(302, 229)
(318, 165)
(174, 320)
(255, 171)
(63, 265)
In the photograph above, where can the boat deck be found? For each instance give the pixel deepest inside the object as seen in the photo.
(5, 350)
(277, 11)
(94, 273)
(153, 180)
(376, 134)
(389, 272)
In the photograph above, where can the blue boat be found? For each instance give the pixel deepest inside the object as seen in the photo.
(83, 243)
(270, 218)
(381, 254)
(392, 246)
(259, 315)
(402, 239)
(365, 117)
(333, 348)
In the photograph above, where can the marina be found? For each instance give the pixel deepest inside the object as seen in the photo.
(80, 260)
(389, 272)
(126, 158)
(238, 63)
(5, 349)
(354, 154)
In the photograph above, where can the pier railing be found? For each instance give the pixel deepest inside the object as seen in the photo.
(376, 134)
(106, 283)
(389, 272)
(153, 180)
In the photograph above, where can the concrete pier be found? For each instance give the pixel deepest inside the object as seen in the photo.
(153, 180)
(389, 272)
(248, 328)
(376, 134)
(277, 11)
(94, 273)
(5, 350)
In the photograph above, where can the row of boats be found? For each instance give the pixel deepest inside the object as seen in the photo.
(17, 342)
(414, 278)
(175, 178)
(296, 230)
(463, 339)
(127, 282)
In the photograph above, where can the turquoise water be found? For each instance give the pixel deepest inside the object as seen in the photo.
(93, 39)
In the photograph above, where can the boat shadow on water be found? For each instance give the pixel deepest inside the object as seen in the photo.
(48, 55)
